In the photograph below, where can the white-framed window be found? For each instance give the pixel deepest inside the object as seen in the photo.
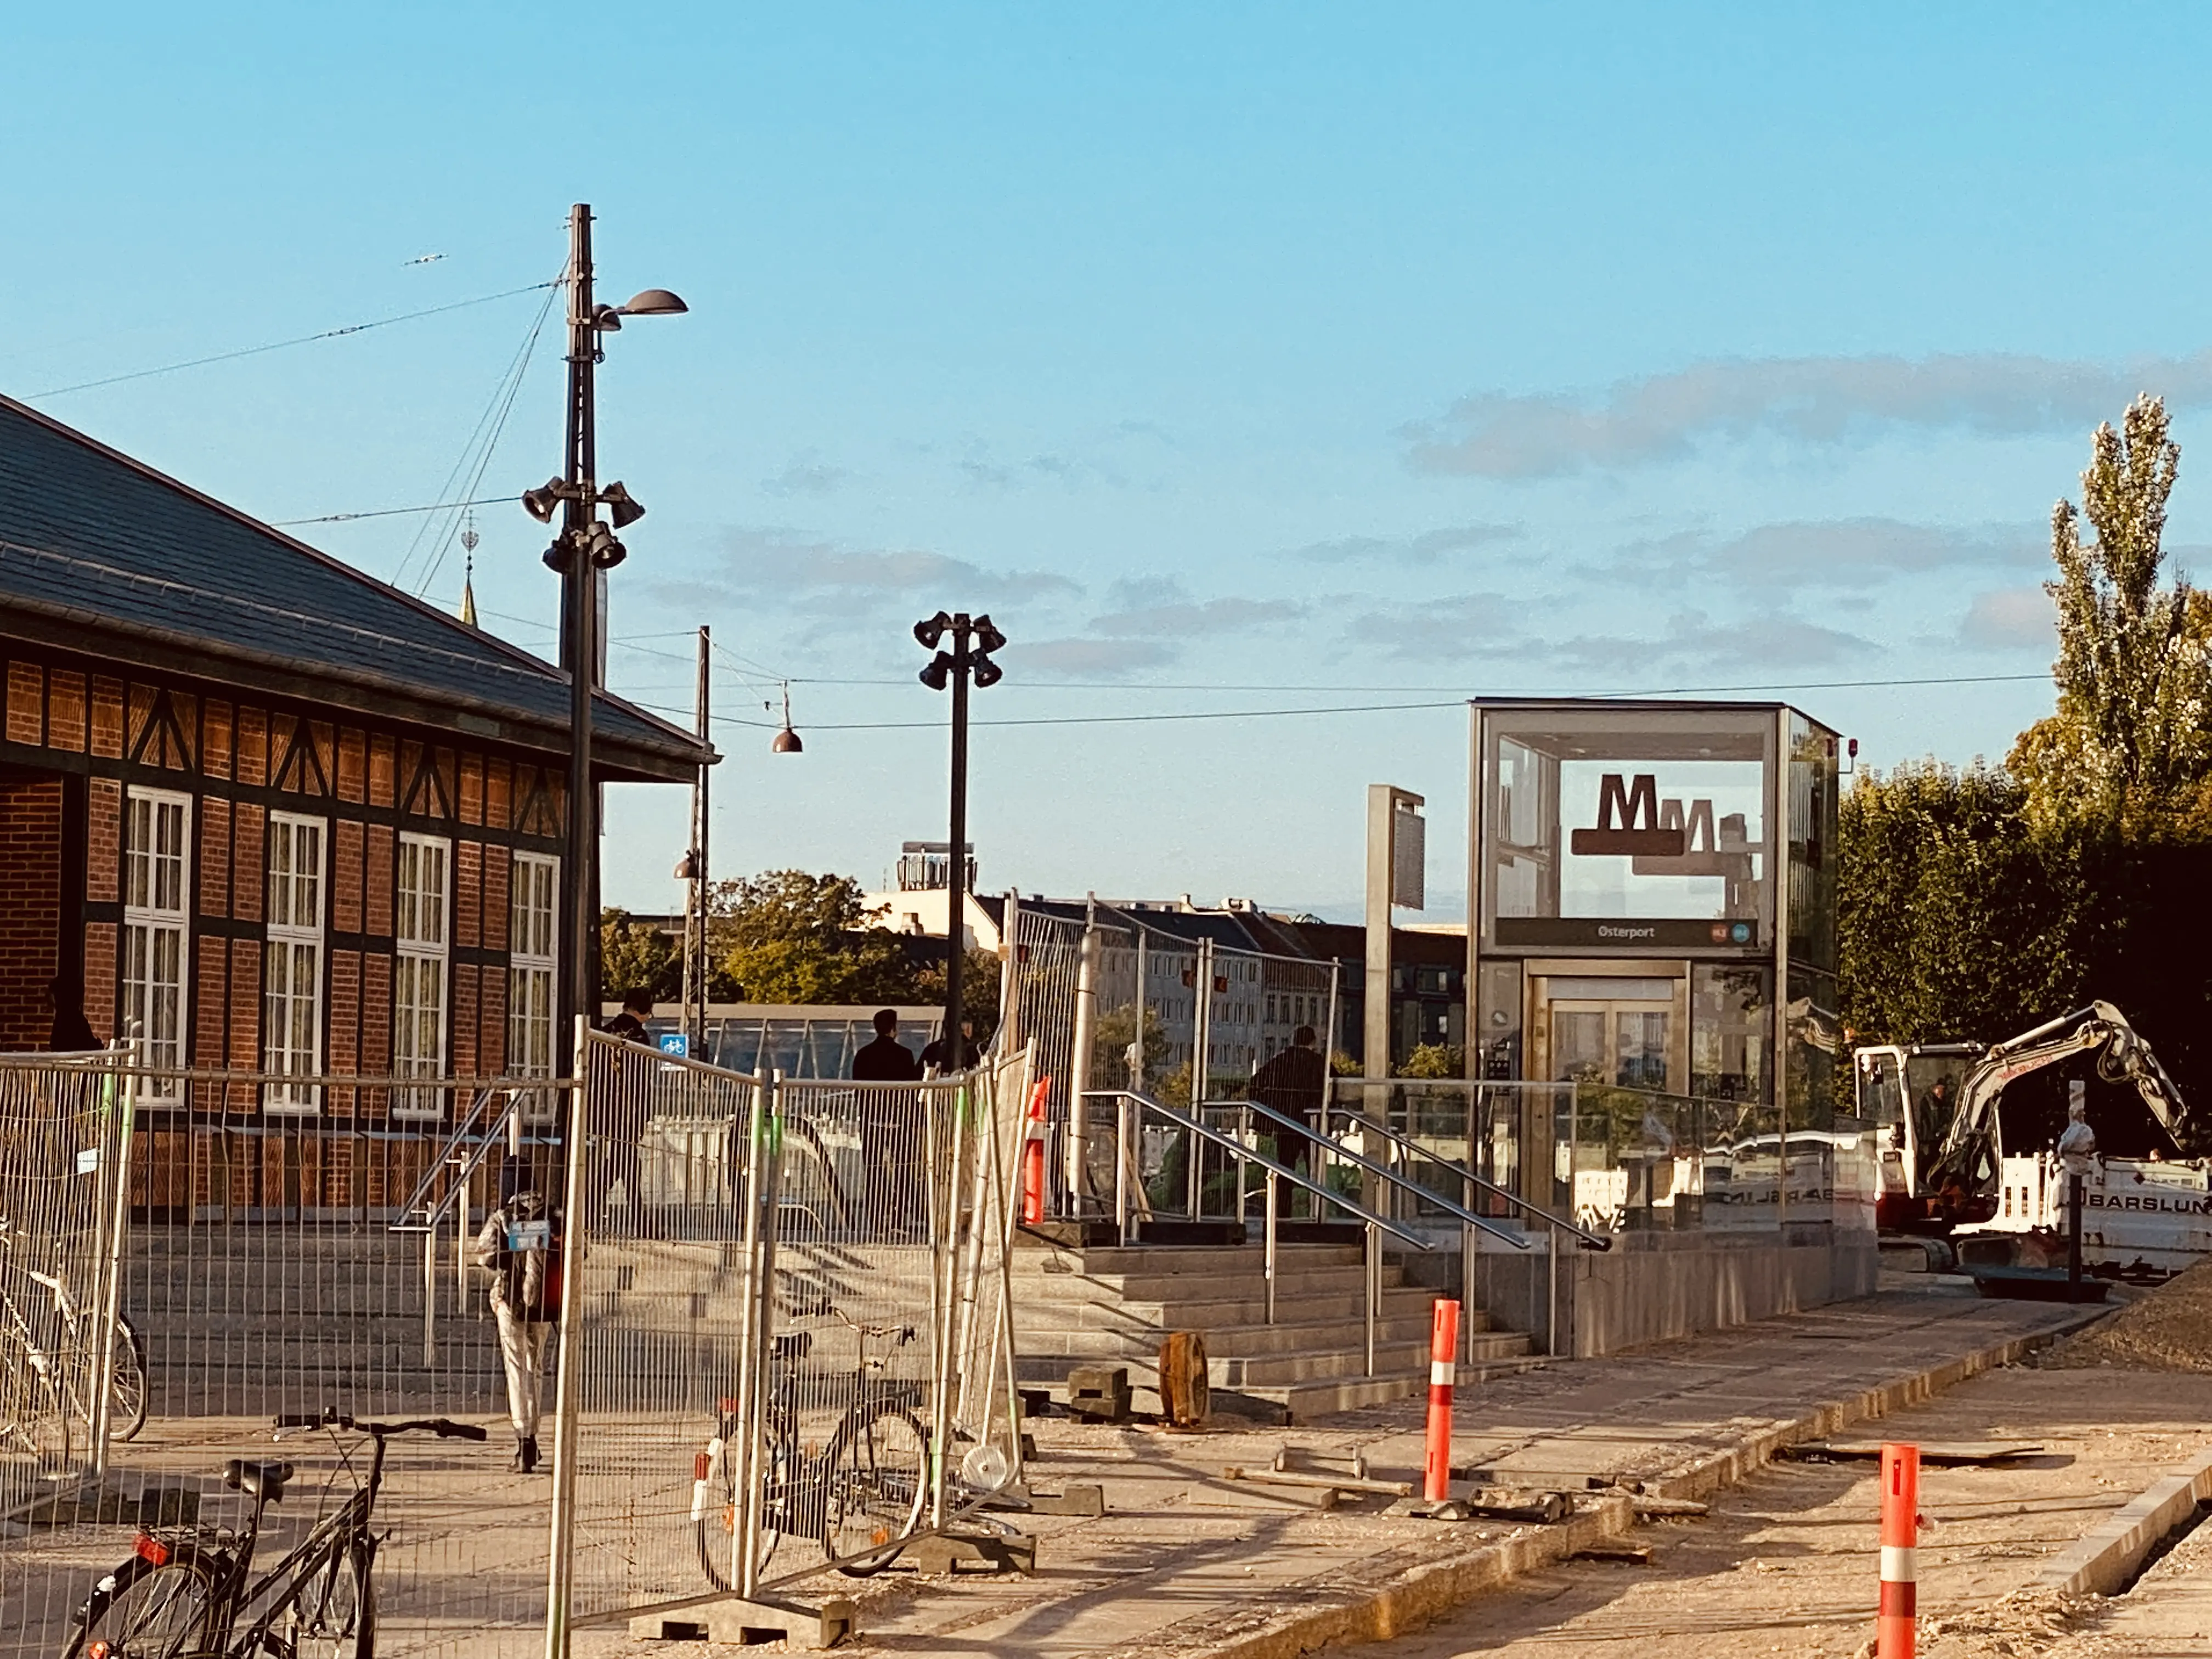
(292, 961)
(421, 929)
(533, 957)
(156, 931)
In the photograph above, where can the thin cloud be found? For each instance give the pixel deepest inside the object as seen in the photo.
(780, 562)
(807, 475)
(1489, 628)
(1428, 548)
(1193, 618)
(2010, 619)
(1836, 553)
(1811, 400)
(1457, 628)
(1082, 658)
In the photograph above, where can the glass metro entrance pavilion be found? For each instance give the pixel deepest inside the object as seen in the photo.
(1652, 900)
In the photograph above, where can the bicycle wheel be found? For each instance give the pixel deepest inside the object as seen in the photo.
(717, 1520)
(37, 1421)
(714, 1504)
(126, 1383)
(330, 1618)
(142, 1611)
(877, 1482)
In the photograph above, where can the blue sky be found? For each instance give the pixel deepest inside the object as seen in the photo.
(1366, 355)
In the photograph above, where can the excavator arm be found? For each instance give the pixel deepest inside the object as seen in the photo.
(2100, 1029)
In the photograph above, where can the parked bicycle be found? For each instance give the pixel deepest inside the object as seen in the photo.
(50, 1363)
(191, 1593)
(866, 1490)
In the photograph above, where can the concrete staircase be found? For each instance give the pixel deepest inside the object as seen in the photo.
(1114, 1305)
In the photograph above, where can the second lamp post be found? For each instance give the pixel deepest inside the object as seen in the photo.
(971, 639)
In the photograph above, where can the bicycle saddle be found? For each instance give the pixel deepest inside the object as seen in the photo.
(795, 1344)
(263, 1480)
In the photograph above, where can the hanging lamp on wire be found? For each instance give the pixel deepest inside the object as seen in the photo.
(786, 742)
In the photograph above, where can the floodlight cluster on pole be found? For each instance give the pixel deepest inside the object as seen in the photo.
(582, 548)
(971, 639)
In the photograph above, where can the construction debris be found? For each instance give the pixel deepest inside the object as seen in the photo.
(1327, 1482)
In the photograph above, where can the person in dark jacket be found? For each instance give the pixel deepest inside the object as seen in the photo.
(72, 1032)
(1293, 1083)
(887, 1060)
(937, 1058)
(629, 1024)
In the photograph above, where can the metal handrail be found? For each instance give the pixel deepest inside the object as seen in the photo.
(1591, 1239)
(447, 1153)
(1228, 1143)
(1363, 1161)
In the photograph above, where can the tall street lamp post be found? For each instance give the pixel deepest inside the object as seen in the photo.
(972, 639)
(583, 548)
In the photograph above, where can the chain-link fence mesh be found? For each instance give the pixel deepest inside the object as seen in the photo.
(295, 1245)
(796, 1355)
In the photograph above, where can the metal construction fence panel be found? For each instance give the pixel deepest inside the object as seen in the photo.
(300, 1246)
(64, 1145)
(798, 1356)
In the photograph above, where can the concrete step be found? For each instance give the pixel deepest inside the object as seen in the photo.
(1116, 1259)
(1199, 1287)
(1049, 1318)
(1262, 1372)
(1241, 1342)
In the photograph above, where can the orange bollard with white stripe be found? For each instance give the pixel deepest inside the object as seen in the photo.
(1033, 1154)
(1443, 1348)
(1895, 1631)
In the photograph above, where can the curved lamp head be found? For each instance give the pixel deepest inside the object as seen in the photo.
(653, 302)
(786, 742)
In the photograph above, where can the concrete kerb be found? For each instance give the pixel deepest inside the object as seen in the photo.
(1419, 1593)
(2103, 1559)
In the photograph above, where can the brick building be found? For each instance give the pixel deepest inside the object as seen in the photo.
(278, 815)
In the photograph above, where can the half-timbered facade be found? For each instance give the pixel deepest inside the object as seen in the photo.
(266, 812)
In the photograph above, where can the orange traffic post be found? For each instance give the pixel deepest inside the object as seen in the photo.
(1444, 1346)
(1033, 1154)
(1894, 1627)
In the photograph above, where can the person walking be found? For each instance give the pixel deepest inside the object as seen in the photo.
(1293, 1083)
(516, 1243)
(891, 1122)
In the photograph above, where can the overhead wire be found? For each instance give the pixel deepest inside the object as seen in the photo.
(382, 513)
(281, 345)
(1457, 701)
(435, 533)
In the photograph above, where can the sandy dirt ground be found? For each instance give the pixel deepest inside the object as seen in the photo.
(1786, 1563)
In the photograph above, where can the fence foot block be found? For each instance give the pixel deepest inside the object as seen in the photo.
(946, 1553)
(753, 1623)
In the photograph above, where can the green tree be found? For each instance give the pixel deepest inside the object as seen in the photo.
(1957, 915)
(1435, 1060)
(637, 956)
(790, 936)
(2129, 741)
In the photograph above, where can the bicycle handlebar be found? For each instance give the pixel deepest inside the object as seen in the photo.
(443, 1427)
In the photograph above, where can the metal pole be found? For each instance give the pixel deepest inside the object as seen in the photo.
(1374, 1284)
(1079, 1067)
(111, 1301)
(1143, 990)
(568, 1368)
(1268, 1181)
(696, 968)
(2073, 1237)
(580, 592)
(1552, 1294)
(956, 898)
(1201, 1040)
(760, 1314)
(1328, 1031)
(1121, 1169)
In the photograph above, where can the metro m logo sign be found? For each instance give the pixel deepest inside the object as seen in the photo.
(1628, 822)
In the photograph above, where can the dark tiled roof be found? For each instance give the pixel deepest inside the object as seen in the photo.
(103, 554)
